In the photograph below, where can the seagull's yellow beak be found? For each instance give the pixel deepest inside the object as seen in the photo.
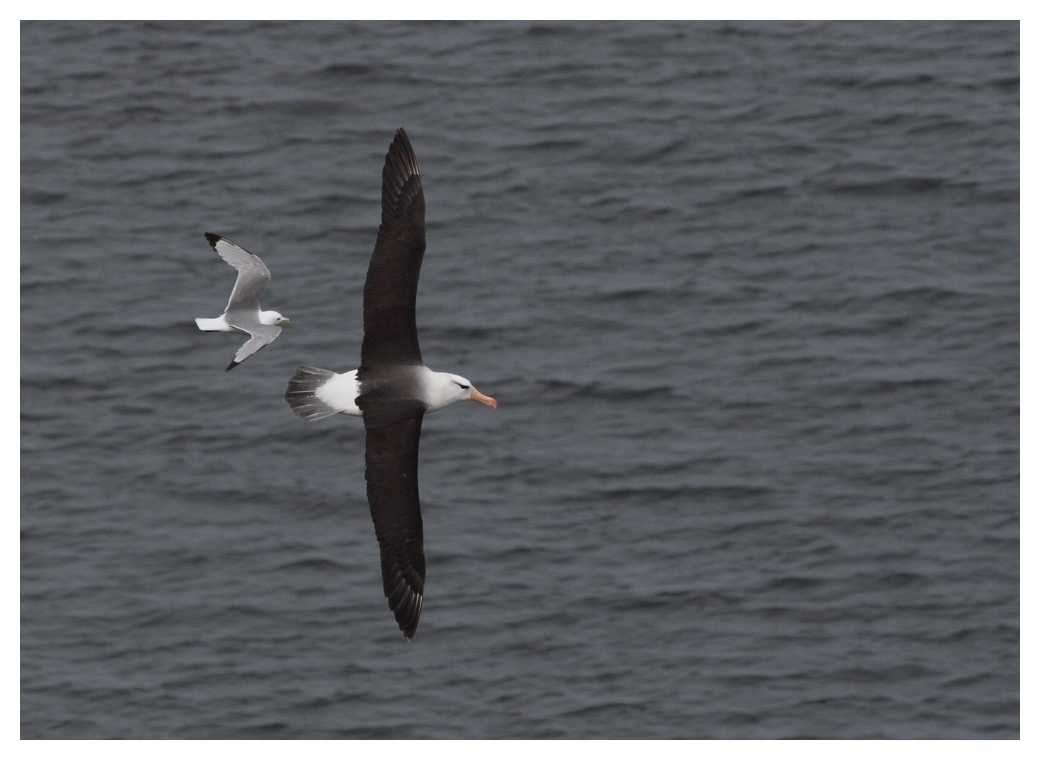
(286, 320)
(478, 396)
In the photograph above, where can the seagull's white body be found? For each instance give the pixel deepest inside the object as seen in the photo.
(220, 324)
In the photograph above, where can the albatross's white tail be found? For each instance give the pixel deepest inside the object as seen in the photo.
(315, 393)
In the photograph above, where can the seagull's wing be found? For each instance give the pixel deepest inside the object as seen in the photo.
(393, 272)
(260, 336)
(253, 274)
(391, 472)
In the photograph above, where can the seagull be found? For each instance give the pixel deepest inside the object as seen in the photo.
(392, 389)
(243, 314)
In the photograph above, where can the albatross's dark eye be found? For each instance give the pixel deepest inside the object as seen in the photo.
(464, 387)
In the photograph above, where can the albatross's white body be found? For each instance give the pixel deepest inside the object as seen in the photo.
(338, 393)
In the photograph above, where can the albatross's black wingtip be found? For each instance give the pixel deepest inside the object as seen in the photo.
(212, 239)
(408, 616)
(406, 604)
(401, 136)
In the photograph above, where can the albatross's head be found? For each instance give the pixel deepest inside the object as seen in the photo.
(450, 388)
(273, 318)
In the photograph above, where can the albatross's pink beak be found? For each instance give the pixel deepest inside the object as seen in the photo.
(478, 396)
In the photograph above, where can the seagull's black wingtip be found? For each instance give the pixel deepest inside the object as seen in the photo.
(212, 239)
(231, 366)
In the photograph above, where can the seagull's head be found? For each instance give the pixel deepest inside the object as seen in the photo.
(273, 318)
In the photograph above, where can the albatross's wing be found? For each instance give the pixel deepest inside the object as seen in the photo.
(252, 274)
(391, 472)
(393, 272)
(260, 336)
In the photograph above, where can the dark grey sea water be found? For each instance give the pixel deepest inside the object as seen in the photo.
(747, 294)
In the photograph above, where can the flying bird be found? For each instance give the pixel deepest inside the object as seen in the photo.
(243, 314)
(392, 389)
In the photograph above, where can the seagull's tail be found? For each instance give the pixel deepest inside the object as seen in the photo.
(302, 394)
(212, 325)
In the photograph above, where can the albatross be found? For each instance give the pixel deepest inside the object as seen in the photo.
(392, 389)
(243, 314)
